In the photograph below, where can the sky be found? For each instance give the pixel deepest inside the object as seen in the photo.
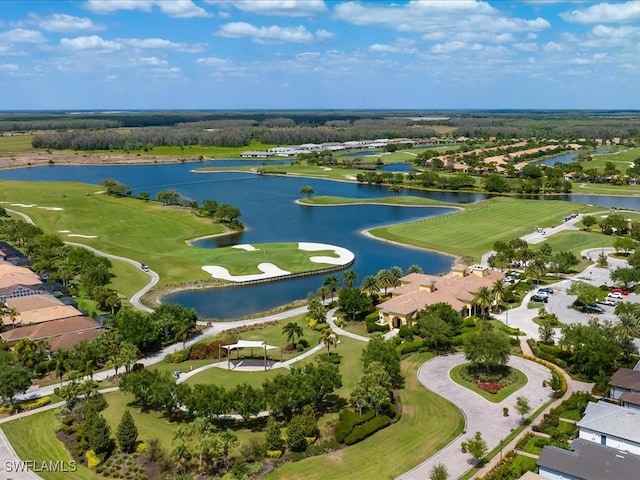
(318, 54)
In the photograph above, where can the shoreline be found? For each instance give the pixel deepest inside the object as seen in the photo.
(368, 234)
(40, 159)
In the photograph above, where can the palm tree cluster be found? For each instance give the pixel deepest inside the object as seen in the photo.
(486, 299)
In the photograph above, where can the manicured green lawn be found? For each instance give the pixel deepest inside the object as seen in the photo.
(622, 159)
(605, 189)
(33, 438)
(503, 393)
(576, 241)
(15, 144)
(155, 235)
(286, 256)
(474, 230)
(428, 423)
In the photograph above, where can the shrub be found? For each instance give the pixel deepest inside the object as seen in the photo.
(179, 357)
(405, 332)
(347, 420)
(304, 342)
(410, 346)
(333, 357)
(274, 453)
(372, 326)
(142, 447)
(93, 459)
(360, 432)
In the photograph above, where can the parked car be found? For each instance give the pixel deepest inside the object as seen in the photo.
(607, 301)
(616, 295)
(540, 298)
(593, 309)
(545, 290)
(622, 291)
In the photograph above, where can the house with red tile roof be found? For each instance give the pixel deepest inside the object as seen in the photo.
(417, 291)
(62, 333)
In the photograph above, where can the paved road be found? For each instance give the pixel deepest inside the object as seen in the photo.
(480, 414)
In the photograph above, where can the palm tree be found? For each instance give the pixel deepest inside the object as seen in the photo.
(349, 277)
(370, 285)
(13, 314)
(498, 290)
(291, 330)
(61, 358)
(484, 299)
(332, 283)
(386, 279)
(324, 292)
(307, 190)
(415, 269)
(182, 328)
(397, 275)
(329, 338)
(627, 329)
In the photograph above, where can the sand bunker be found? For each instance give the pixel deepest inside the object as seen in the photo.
(81, 236)
(344, 256)
(23, 205)
(55, 209)
(247, 247)
(64, 231)
(269, 270)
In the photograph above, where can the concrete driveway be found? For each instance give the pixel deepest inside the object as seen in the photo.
(480, 414)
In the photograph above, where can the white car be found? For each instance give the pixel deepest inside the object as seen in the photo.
(616, 295)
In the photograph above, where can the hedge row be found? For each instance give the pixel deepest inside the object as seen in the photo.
(348, 420)
(372, 326)
(554, 368)
(367, 429)
(24, 406)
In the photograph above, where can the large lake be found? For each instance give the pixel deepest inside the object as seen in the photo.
(270, 214)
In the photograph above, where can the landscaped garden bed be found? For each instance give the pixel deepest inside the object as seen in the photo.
(495, 386)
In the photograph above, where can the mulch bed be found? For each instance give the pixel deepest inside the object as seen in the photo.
(490, 387)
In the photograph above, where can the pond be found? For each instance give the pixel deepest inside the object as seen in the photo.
(271, 214)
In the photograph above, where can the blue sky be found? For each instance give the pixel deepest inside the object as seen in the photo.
(309, 54)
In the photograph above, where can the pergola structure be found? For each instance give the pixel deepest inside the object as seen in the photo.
(248, 344)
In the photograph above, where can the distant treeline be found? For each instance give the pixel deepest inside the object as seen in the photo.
(229, 133)
(139, 130)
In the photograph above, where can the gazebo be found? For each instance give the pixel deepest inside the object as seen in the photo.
(248, 344)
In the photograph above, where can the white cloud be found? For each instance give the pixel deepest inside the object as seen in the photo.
(162, 44)
(21, 35)
(448, 47)
(153, 61)
(554, 47)
(401, 45)
(9, 67)
(283, 8)
(625, 32)
(526, 47)
(297, 34)
(437, 16)
(213, 62)
(94, 42)
(172, 8)
(605, 13)
(60, 22)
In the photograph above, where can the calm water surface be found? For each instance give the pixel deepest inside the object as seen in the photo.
(270, 214)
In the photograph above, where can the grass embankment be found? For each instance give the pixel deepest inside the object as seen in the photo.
(428, 423)
(406, 201)
(33, 438)
(474, 230)
(144, 231)
(456, 375)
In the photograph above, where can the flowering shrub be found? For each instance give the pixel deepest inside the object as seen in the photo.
(490, 387)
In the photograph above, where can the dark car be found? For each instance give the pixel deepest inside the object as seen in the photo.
(547, 290)
(539, 298)
(593, 309)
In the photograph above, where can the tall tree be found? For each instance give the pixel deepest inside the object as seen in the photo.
(127, 433)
